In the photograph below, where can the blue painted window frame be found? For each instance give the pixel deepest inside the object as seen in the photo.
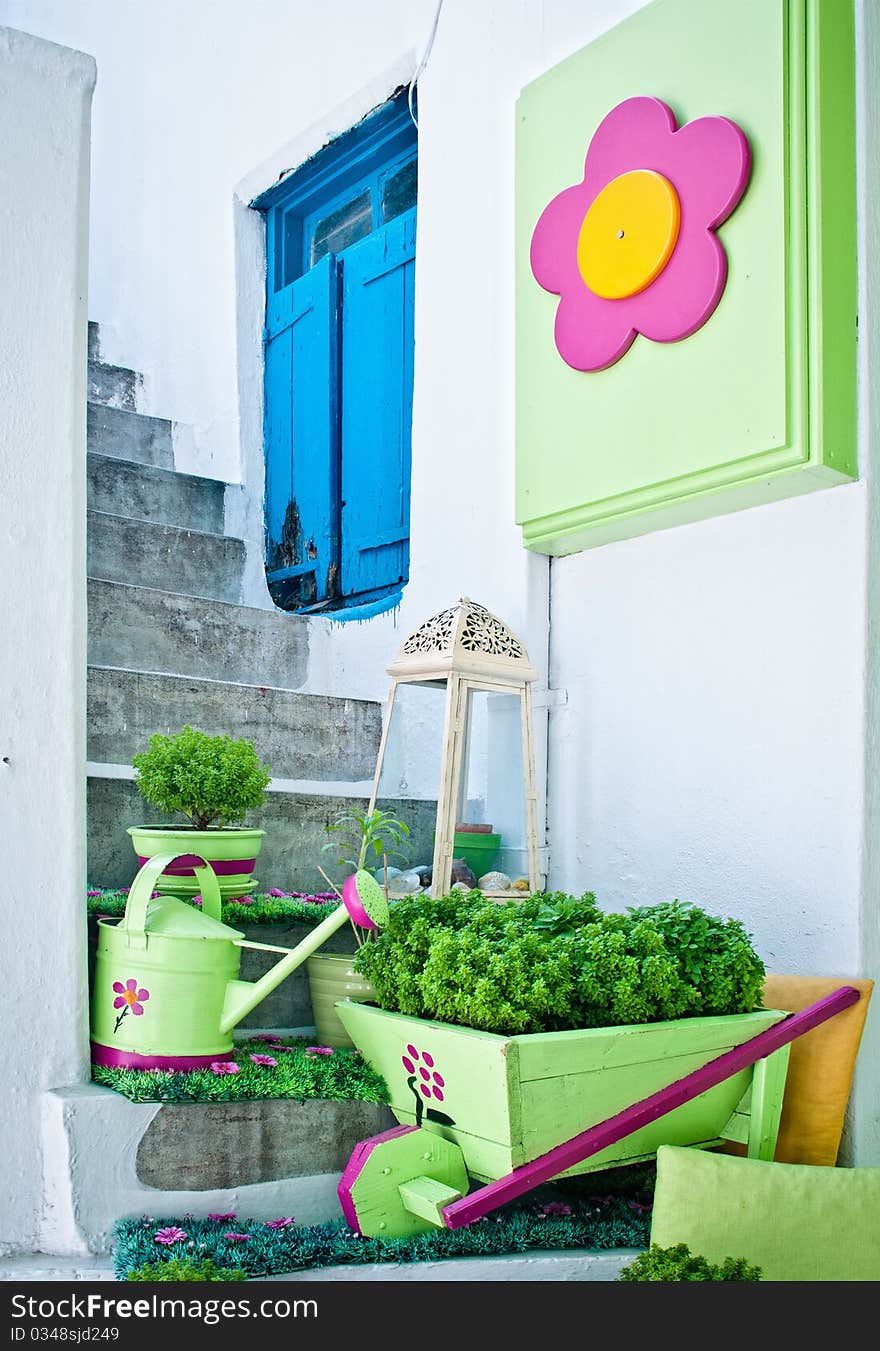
(337, 458)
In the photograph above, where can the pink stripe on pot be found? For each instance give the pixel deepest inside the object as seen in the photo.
(183, 866)
(111, 1058)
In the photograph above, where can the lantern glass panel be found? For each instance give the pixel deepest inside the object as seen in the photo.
(409, 775)
(492, 789)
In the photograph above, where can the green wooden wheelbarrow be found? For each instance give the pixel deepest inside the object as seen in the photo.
(506, 1111)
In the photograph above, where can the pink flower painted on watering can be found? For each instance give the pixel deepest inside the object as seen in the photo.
(426, 1084)
(632, 247)
(129, 998)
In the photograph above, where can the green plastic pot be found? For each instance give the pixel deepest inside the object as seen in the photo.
(478, 850)
(332, 977)
(231, 854)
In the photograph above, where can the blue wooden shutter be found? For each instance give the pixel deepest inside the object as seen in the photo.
(378, 279)
(301, 434)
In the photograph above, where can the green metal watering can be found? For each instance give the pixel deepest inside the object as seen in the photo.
(166, 993)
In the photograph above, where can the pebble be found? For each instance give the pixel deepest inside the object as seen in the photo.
(494, 882)
(404, 884)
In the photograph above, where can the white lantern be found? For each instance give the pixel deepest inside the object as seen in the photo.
(458, 734)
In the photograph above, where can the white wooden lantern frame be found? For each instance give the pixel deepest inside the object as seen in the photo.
(466, 648)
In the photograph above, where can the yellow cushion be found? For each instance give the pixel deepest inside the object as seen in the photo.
(797, 1223)
(820, 1069)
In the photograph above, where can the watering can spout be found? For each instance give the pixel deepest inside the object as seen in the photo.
(363, 901)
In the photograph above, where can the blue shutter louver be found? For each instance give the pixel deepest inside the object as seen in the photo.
(378, 280)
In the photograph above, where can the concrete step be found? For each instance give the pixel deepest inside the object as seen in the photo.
(299, 736)
(115, 386)
(126, 435)
(145, 493)
(295, 826)
(155, 630)
(167, 557)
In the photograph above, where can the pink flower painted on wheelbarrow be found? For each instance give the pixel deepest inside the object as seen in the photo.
(632, 247)
(425, 1083)
(129, 998)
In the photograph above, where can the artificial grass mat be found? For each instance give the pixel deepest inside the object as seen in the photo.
(611, 1209)
(295, 907)
(300, 1072)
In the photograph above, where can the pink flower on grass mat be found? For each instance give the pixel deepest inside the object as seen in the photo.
(223, 1219)
(283, 1223)
(232, 1237)
(170, 1235)
(319, 1050)
(224, 1067)
(264, 1060)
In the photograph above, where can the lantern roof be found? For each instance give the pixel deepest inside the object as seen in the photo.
(467, 639)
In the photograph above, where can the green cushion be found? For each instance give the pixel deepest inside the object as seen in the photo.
(797, 1222)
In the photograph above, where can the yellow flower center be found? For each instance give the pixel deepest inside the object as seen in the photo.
(628, 234)
(130, 997)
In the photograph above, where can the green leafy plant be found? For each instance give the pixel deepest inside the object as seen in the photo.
(559, 913)
(209, 779)
(186, 1269)
(365, 838)
(546, 964)
(680, 1264)
(716, 956)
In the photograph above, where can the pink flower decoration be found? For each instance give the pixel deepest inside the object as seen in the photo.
(170, 1235)
(707, 163)
(319, 1050)
(130, 997)
(264, 1060)
(555, 1208)
(244, 900)
(283, 1223)
(233, 1237)
(224, 1067)
(271, 1038)
(433, 1083)
(223, 1219)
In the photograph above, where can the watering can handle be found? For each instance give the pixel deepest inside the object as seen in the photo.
(144, 884)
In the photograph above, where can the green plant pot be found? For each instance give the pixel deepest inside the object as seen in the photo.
(231, 853)
(479, 851)
(332, 977)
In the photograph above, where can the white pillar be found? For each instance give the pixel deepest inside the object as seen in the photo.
(45, 110)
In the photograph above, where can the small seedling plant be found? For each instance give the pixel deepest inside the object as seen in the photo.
(363, 840)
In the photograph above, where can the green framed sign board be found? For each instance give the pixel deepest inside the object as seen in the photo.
(714, 368)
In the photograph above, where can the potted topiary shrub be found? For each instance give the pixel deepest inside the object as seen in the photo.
(360, 840)
(214, 781)
(512, 1027)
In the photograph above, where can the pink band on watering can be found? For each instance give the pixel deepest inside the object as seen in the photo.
(110, 1058)
(184, 865)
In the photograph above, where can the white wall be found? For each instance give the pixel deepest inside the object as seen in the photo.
(45, 96)
(190, 97)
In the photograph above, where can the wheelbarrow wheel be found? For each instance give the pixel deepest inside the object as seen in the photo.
(397, 1183)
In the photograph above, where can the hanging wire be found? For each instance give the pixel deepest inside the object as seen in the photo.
(424, 61)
